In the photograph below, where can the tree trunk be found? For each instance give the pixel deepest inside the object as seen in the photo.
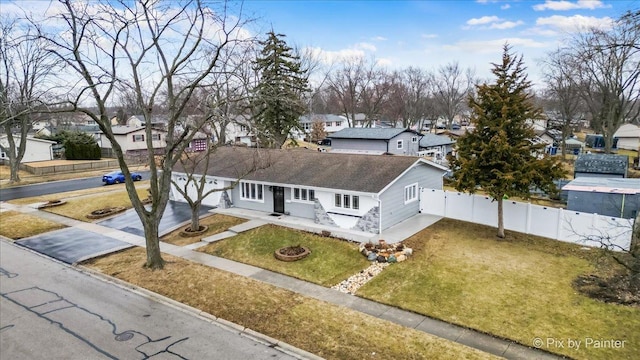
(195, 216)
(500, 218)
(14, 166)
(154, 257)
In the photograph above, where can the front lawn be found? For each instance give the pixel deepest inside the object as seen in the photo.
(330, 261)
(519, 288)
(330, 331)
(16, 225)
(79, 207)
(217, 223)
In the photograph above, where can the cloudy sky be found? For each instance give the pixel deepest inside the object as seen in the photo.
(432, 33)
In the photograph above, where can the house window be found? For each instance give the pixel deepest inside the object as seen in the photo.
(410, 193)
(303, 195)
(251, 191)
(155, 137)
(306, 126)
(243, 128)
(414, 139)
(347, 201)
(328, 123)
(400, 144)
(138, 138)
(338, 123)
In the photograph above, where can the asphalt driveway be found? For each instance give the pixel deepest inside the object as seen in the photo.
(175, 214)
(72, 245)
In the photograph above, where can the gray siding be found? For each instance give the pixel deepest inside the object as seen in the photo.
(409, 148)
(394, 210)
(603, 204)
(299, 209)
(267, 206)
(359, 144)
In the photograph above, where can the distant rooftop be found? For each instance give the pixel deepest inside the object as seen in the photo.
(602, 164)
(429, 140)
(368, 133)
(604, 185)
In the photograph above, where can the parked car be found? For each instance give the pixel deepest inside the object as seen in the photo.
(455, 126)
(117, 177)
(324, 142)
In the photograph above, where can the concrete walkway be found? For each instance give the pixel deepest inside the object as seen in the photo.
(468, 337)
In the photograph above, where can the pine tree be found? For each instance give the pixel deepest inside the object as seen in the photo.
(500, 156)
(278, 95)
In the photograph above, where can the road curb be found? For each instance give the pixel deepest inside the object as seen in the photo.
(226, 324)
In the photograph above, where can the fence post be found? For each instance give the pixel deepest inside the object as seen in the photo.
(559, 223)
(527, 226)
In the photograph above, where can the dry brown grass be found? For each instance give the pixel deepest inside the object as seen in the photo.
(16, 225)
(217, 223)
(519, 288)
(327, 330)
(78, 208)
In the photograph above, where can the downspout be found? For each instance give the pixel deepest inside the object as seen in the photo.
(387, 141)
(622, 207)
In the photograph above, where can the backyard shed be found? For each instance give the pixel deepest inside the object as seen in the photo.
(601, 165)
(604, 196)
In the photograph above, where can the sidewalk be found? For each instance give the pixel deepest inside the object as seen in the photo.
(462, 335)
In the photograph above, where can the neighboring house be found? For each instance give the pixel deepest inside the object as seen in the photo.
(596, 141)
(436, 146)
(347, 191)
(332, 123)
(604, 196)
(376, 141)
(601, 165)
(35, 150)
(628, 136)
(132, 140)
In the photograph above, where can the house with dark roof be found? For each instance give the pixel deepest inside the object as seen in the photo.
(376, 141)
(604, 196)
(347, 191)
(436, 145)
(601, 165)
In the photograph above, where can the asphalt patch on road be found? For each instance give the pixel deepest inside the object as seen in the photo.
(73, 245)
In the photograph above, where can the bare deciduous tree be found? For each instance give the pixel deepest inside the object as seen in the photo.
(608, 71)
(451, 86)
(562, 92)
(25, 67)
(163, 52)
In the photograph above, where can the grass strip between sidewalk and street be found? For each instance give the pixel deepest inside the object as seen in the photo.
(15, 225)
(327, 330)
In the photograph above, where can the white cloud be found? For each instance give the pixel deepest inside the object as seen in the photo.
(365, 46)
(563, 5)
(506, 25)
(505, 7)
(483, 20)
(379, 38)
(575, 23)
(493, 46)
(429, 36)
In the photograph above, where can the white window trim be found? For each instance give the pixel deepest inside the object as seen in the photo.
(309, 199)
(400, 144)
(414, 139)
(141, 136)
(342, 201)
(258, 192)
(410, 193)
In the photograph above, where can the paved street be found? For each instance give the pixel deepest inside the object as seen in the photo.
(55, 187)
(51, 311)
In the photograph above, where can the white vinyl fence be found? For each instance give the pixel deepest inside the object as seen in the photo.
(559, 224)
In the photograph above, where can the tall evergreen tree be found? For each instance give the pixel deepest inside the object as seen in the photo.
(500, 157)
(277, 100)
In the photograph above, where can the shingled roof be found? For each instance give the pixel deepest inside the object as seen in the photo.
(364, 173)
(369, 133)
(602, 164)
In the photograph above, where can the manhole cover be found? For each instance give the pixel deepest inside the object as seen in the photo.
(124, 336)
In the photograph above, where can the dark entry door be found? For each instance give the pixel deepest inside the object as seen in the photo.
(278, 199)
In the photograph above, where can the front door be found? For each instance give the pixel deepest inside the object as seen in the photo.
(278, 199)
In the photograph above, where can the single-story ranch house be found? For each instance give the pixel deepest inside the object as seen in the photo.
(350, 191)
